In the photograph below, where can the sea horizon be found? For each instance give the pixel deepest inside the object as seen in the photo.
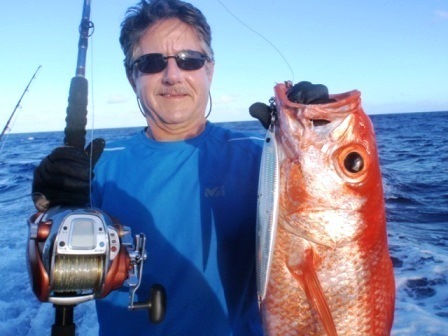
(215, 122)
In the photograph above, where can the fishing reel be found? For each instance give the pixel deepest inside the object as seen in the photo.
(76, 255)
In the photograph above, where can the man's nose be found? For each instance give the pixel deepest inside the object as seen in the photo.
(172, 73)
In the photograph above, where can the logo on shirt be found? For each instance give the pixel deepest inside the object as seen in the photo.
(218, 191)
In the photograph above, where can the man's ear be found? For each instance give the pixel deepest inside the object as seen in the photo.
(130, 76)
(210, 69)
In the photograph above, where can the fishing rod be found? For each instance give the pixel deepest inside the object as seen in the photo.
(76, 119)
(81, 254)
(6, 128)
(75, 131)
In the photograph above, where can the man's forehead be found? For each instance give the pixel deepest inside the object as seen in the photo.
(170, 28)
(169, 35)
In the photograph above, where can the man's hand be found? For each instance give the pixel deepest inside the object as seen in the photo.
(308, 93)
(302, 93)
(63, 177)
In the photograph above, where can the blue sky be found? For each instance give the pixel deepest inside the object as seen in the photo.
(394, 52)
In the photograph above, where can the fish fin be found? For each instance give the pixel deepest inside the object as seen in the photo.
(314, 291)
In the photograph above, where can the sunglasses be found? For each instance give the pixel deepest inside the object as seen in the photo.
(185, 60)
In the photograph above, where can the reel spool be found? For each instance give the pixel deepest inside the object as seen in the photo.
(77, 255)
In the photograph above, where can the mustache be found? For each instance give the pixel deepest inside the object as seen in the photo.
(176, 90)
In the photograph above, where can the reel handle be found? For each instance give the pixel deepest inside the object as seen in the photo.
(156, 304)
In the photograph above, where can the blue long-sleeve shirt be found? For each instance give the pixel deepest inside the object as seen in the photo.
(195, 200)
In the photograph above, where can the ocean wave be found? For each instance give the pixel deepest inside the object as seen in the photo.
(413, 158)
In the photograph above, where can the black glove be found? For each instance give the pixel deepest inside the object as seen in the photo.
(308, 93)
(262, 112)
(302, 92)
(63, 177)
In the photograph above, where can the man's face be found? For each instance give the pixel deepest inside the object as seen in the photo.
(173, 99)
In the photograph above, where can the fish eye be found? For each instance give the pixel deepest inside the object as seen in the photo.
(354, 162)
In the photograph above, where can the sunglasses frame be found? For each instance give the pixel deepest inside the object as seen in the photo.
(160, 61)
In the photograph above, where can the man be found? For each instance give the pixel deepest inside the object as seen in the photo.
(189, 185)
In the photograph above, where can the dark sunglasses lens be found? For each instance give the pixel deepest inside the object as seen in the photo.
(190, 63)
(190, 60)
(186, 60)
(151, 63)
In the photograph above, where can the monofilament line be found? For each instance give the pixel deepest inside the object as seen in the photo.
(258, 34)
(92, 114)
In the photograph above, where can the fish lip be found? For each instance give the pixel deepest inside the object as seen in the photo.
(342, 99)
(346, 103)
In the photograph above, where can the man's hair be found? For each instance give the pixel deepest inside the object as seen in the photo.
(147, 12)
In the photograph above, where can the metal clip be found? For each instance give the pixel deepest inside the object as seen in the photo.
(273, 111)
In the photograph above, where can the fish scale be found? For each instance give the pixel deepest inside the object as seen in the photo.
(331, 273)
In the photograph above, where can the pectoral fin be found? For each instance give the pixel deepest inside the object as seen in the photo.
(307, 276)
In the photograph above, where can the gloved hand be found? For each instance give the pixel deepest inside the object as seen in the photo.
(308, 93)
(302, 92)
(63, 177)
(262, 112)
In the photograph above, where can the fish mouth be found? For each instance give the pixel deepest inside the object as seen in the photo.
(301, 125)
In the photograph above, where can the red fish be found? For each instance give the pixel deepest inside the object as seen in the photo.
(331, 272)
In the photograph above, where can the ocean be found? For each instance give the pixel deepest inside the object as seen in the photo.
(413, 149)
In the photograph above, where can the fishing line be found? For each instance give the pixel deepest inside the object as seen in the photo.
(92, 115)
(259, 35)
